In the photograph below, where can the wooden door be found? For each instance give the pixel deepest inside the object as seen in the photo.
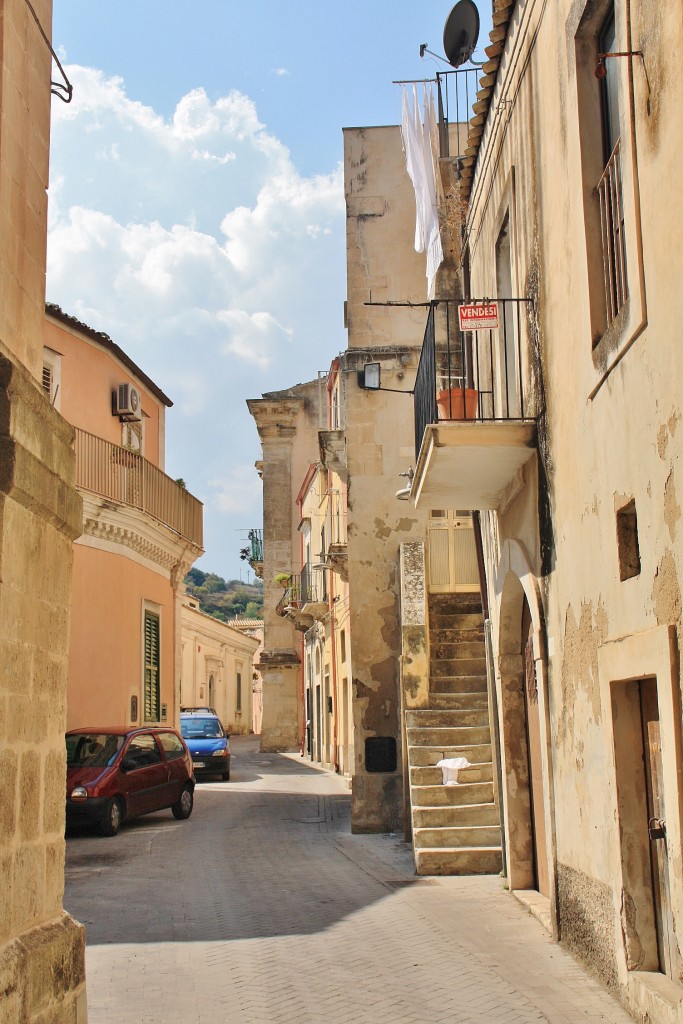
(533, 738)
(656, 812)
(451, 553)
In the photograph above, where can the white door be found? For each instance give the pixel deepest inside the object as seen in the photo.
(452, 555)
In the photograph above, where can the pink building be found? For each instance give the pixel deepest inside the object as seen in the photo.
(141, 532)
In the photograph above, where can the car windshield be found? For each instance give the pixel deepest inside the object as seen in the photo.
(92, 749)
(201, 728)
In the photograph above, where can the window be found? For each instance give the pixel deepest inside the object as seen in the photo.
(152, 666)
(142, 752)
(51, 378)
(609, 186)
(627, 542)
(606, 110)
(342, 644)
(238, 694)
(173, 748)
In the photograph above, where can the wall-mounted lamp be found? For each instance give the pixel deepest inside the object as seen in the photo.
(370, 379)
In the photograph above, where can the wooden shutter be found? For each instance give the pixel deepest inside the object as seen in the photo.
(152, 688)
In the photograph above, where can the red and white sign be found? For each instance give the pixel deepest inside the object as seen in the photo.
(478, 316)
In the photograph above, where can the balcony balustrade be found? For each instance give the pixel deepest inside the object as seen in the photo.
(305, 598)
(127, 478)
(474, 410)
(255, 549)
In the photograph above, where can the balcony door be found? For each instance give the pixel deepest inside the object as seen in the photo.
(451, 553)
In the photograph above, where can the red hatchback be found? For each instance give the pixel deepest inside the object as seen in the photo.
(113, 775)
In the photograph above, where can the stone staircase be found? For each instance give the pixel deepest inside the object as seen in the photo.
(456, 829)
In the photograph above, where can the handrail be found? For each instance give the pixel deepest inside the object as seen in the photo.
(473, 375)
(128, 478)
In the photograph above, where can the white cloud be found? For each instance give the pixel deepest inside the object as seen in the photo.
(281, 72)
(198, 246)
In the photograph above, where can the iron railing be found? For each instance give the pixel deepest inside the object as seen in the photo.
(612, 231)
(255, 546)
(475, 375)
(128, 478)
(337, 518)
(456, 93)
(302, 588)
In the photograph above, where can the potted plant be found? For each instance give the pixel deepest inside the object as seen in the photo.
(455, 401)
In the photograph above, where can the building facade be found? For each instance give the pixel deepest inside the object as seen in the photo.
(141, 532)
(217, 667)
(572, 460)
(41, 947)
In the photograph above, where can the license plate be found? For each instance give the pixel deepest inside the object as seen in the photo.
(198, 764)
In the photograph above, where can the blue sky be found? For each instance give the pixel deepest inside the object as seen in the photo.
(196, 203)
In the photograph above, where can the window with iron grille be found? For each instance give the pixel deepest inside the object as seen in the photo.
(238, 695)
(152, 666)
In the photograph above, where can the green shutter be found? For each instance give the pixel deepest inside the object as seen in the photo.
(152, 689)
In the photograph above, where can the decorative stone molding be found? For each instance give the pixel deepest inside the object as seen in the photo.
(126, 527)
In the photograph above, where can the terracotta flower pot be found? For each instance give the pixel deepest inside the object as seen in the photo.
(450, 403)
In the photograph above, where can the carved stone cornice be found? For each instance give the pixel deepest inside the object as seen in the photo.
(120, 525)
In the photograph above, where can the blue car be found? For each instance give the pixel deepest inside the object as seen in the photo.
(207, 741)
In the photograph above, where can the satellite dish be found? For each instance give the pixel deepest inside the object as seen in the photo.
(461, 32)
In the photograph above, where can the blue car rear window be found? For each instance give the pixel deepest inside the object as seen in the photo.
(201, 728)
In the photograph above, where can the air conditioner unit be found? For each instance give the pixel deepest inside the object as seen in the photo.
(126, 402)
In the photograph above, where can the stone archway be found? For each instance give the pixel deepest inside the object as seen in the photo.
(523, 708)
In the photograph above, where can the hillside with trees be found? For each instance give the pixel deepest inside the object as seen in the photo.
(225, 599)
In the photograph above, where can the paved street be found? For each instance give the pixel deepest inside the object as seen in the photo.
(264, 909)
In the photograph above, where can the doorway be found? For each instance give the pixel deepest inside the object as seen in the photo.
(534, 760)
(452, 553)
(642, 812)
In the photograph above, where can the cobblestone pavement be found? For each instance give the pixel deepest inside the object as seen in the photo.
(264, 909)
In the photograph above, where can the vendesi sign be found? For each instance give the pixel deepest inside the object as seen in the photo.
(478, 316)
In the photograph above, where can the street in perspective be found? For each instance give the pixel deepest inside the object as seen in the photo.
(263, 908)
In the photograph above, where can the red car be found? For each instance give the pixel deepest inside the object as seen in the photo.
(113, 775)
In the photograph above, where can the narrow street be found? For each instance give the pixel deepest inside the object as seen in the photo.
(264, 909)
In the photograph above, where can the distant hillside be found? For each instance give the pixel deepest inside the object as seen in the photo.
(225, 599)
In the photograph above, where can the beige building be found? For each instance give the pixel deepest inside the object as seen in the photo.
(142, 531)
(217, 667)
(42, 971)
(254, 628)
(571, 216)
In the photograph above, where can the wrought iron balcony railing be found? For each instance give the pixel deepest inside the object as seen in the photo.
(472, 375)
(612, 231)
(255, 548)
(305, 588)
(125, 477)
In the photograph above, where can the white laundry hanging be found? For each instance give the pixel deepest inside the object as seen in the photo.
(419, 138)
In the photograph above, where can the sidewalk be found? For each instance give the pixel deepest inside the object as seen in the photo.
(264, 909)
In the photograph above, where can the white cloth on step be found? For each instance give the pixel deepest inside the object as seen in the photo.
(450, 766)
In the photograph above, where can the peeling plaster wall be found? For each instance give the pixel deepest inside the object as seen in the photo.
(609, 422)
(379, 446)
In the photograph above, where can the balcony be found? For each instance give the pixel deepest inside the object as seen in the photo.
(124, 477)
(475, 419)
(254, 552)
(305, 598)
(332, 444)
(336, 556)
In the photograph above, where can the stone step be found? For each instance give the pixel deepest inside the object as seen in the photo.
(431, 776)
(457, 667)
(459, 701)
(452, 650)
(476, 754)
(453, 604)
(487, 860)
(452, 796)
(448, 737)
(456, 838)
(458, 684)
(453, 635)
(464, 620)
(448, 816)
(427, 719)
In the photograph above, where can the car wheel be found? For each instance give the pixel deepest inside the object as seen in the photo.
(226, 776)
(182, 808)
(112, 817)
